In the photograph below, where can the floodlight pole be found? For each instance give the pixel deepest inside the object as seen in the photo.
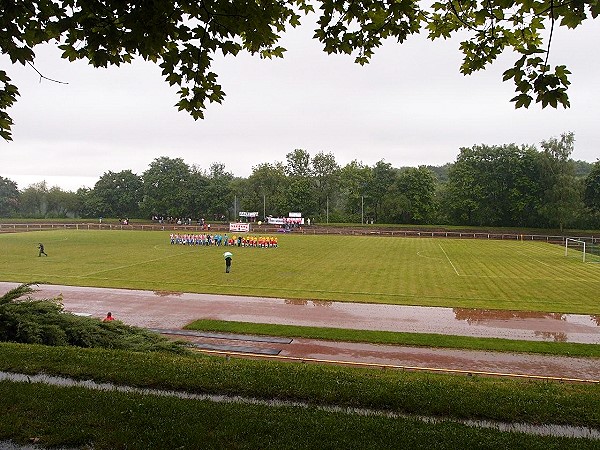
(327, 209)
(362, 209)
(264, 207)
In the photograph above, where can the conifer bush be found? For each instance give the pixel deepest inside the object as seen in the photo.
(29, 321)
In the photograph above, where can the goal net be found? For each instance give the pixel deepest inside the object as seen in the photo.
(587, 251)
(592, 251)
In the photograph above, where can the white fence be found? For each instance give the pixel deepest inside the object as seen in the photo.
(20, 227)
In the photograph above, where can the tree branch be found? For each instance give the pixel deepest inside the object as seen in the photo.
(45, 77)
(551, 32)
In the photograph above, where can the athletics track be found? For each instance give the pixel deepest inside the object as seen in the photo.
(169, 312)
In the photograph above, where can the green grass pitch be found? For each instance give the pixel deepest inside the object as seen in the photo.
(513, 275)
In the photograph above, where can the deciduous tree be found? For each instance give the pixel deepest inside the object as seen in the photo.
(166, 184)
(495, 185)
(354, 179)
(298, 163)
(382, 177)
(9, 197)
(219, 196)
(299, 194)
(34, 200)
(119, 193)
(562, 196)
(326, 174)
(414, 191)
(267, 185)
(591, 196)
(62, 203)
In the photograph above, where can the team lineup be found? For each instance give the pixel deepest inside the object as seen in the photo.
(225, 240)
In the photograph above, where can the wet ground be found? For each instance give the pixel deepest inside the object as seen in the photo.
(171, 311)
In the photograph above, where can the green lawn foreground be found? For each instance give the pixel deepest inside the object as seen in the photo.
(77, 417)
(465, 273)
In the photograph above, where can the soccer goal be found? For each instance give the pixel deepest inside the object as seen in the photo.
(580, 249)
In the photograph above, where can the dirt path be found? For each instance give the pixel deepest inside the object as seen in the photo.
(173, 311)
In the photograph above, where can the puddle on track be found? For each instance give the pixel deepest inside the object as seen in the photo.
(164, 309)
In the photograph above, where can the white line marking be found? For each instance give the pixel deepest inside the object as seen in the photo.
(456, 271)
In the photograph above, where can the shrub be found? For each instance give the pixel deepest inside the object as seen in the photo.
(45, 322)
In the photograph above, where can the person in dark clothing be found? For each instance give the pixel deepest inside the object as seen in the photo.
(42, 252)
(227, 264)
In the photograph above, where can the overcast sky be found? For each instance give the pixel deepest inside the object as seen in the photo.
(409, 106)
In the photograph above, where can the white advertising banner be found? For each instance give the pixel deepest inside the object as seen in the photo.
(239, 227)
(285, 220)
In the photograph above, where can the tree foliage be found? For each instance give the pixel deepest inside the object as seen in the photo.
(119, 194)
(183, 37)
(266, 187)
(496, 185)
(562, 193)
(298, 164)
(354, 179)
(326, 175)
(9, 197)
(382, 177)
(592, 189)
(166, 184)
(414, 196)
(218, 191)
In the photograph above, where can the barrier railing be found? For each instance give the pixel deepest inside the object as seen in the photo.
(21, 227)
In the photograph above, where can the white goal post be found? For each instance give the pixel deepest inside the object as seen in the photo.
(575, 245)
(586, 249)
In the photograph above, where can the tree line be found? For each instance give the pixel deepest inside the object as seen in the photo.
(498, 185)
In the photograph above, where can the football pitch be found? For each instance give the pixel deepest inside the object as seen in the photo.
(464, 273)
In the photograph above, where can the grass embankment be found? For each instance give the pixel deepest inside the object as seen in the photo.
(497, 275)
(75, 416)
(96, 421)
(393, 338)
